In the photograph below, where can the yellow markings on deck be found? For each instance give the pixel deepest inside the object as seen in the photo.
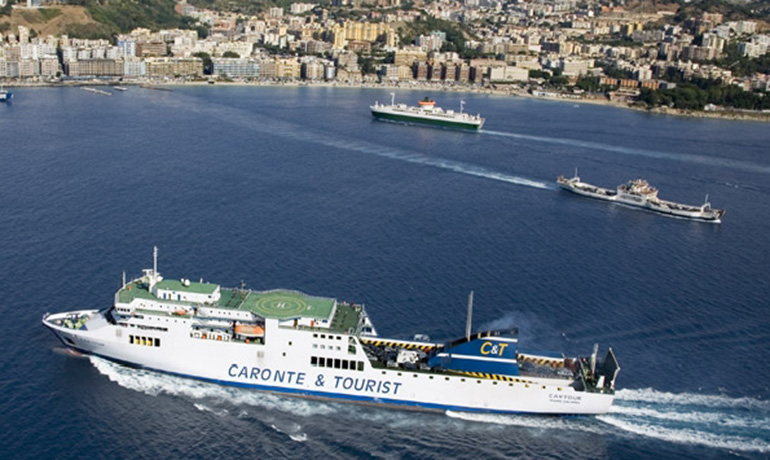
(502, 378)
(541, 361)
(407, 346)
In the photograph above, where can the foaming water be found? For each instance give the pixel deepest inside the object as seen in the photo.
(740, 424)
(683, 157)
(154, 384)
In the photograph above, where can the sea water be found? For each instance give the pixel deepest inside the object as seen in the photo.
(299, 188)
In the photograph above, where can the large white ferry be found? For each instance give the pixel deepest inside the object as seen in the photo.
(426, 112)
(289, 342)
(638, 193)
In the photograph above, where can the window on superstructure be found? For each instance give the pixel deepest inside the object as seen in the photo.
(131, 339)
(352, 349)
(157, 342)
(314, 361)
(337, 363)
(322, 362)
(360, 365)
(345, 364)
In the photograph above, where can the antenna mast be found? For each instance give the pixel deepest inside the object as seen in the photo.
(470, 316)
(154, 261)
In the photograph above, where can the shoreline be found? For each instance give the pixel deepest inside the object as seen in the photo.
(734, 115)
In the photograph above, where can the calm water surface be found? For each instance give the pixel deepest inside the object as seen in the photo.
(300, 188)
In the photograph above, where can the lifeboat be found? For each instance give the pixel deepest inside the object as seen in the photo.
(249, 330)
(180, 312)
(427, 102)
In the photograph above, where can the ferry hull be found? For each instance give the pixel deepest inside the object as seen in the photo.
(425, 121)
(255, 367)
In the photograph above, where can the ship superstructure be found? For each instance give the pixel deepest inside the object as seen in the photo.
(289, 342)
(426, 112)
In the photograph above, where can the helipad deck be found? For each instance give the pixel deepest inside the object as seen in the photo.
(278, 304)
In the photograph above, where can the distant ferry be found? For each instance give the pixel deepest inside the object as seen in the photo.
(639, 193)
(5, 95)
(426, 112)
(292, 343)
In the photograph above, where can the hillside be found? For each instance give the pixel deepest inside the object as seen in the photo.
(49, 21)
(97, 18)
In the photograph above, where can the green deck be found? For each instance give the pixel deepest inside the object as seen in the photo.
(279, 304)
(196, 288)
(287, 304)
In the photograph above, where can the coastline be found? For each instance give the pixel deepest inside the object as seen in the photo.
(734, 115)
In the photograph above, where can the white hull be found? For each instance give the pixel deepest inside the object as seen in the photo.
(265, 368)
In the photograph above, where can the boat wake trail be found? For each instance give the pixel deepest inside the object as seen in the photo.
(712, 421)
(207, 397)
(245, 404)
(413, 157)
(741, 424)
(273, 127)
(735, 424)
(683, 157)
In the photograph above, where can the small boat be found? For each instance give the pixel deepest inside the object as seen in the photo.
(426, 102)
(639, 193)
(5, 95)
(249, 330)
(119, 88)
(426, 112)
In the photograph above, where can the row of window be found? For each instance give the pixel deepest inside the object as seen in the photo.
(331, 337)
(147, 341)
(336, 363)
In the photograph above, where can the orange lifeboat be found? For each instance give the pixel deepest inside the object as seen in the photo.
(249, 330)
(180, 312)
(427, 102)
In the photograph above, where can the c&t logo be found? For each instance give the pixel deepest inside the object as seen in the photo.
(490, 348)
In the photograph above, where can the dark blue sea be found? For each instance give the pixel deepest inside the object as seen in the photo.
(300, 188)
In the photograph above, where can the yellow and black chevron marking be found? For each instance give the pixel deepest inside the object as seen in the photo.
(407, 346)
(502, 378)
(541, 361)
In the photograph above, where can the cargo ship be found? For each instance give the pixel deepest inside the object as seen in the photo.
(639, 194)
(291, 343)
(426, 112)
